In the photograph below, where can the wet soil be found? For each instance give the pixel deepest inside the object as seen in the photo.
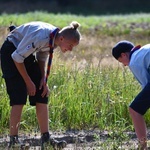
(80, 140)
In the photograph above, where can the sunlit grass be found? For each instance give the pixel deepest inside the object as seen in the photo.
(82, 99)
(92, 97)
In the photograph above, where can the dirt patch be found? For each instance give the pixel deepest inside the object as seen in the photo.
(77, 140)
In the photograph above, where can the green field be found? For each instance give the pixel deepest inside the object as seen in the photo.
(89, 89)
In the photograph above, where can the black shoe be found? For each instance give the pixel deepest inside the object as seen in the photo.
(14, 142)
(46, 141)
(58, 144)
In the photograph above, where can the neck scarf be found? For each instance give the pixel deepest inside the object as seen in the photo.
(133, 50)
(51, 45)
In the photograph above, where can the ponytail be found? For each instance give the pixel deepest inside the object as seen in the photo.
(71, 31)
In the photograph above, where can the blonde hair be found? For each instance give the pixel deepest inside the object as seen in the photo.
(71, 31)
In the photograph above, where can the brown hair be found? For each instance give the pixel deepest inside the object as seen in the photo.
(71, 31)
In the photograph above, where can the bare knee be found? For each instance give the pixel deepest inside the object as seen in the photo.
(132, 112)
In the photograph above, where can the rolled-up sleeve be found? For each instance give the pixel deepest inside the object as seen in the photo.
(17, 57)
(24, 49)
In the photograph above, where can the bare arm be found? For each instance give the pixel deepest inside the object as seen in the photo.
(42, 65)
(31, 89)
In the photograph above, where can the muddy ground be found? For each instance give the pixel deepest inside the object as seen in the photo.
(82, 140)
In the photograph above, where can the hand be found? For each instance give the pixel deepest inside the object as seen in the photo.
(31, 88)
(46, 90)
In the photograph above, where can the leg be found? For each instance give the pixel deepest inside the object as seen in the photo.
(42, 116)
(140, 127)
(15, 116)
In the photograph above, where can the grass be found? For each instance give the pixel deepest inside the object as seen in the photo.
(82, 99)
(87, 91)
(62, 19)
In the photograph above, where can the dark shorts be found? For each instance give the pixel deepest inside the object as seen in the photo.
(141, 103)
(15, 85)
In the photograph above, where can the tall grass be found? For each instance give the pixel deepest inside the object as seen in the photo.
(4, 107)
(82, 99)
(90, 98)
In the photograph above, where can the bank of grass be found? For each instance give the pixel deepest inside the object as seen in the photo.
(81, 99)
(87, 22)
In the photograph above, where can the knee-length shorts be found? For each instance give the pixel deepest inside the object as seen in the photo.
(141, 103)
(15, 85)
